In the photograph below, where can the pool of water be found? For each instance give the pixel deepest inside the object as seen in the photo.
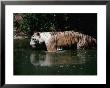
(67, 62)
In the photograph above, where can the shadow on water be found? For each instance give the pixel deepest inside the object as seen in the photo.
(68, 62)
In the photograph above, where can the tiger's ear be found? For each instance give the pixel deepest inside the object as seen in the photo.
(38, 34)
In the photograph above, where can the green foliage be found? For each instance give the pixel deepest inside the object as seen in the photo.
(31, 22)
(39, 22)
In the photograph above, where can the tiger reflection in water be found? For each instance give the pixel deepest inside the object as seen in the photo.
(59, 58)
(56, 41)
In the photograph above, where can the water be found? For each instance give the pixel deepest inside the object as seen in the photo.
(69, 62)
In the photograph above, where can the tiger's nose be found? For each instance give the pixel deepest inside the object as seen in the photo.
(37, 42)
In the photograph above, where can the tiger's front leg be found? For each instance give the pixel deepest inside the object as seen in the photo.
(51, 48)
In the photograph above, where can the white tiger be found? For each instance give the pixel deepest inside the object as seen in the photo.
(55, 40)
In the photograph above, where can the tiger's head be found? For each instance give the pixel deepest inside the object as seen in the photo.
(36, 39)
(39, 38)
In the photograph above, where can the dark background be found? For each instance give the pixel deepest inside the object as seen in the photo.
(28, 23)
